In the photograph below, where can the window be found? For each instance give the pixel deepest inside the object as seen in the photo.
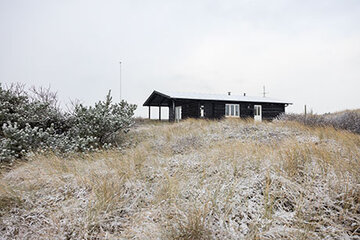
(178, 113)
(232, 110)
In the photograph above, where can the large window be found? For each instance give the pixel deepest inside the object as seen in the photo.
(232, 110)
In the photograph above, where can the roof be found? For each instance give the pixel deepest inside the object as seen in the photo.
(214, 97)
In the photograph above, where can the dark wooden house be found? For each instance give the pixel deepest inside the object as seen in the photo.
(215, 106)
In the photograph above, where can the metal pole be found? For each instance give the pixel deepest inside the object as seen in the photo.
(120, 81)
(264, 92)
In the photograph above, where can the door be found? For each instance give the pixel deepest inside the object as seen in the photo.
(177, 113)
(258, 113)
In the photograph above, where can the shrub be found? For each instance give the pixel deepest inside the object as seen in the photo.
(35, 122)
(347, 120)
(17, 105)
(101, 121)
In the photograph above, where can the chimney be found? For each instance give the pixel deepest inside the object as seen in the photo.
(229, 93)
(244, 94)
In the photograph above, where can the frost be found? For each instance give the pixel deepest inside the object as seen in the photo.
(37, 125)
(193, 180)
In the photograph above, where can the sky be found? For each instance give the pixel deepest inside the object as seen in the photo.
(303, 51)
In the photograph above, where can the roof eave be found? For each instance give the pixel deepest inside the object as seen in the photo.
(146, 103)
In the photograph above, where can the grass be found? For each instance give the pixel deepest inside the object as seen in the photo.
(348, 120)
(197, 179)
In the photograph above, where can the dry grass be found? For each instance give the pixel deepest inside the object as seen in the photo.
(194, 180)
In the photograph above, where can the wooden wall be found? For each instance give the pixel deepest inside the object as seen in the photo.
(272, 110)
(171, 113)
(216, 109)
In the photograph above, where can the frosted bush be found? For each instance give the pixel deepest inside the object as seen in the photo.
(348, 120)
(22, 108)
(17, 141)
(35, 123)
(101, 121)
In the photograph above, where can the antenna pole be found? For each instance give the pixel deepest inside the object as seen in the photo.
(120, 80)
(264, 92)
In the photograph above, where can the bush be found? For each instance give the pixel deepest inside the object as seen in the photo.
(102, 120)
(347, 120)
(35, 123)
(17, 105)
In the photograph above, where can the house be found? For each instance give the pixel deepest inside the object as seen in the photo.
(215, 106)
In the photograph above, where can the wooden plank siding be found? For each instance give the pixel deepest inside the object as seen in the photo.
(208, 109)
(190, 109)
(272, 110)
(216, 109)
(172, 111)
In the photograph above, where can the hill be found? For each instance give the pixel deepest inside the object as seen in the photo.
(197, 179)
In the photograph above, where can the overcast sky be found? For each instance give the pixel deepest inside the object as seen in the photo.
(306, 52)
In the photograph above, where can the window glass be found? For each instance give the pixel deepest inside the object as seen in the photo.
(257, 110)
(232, 110)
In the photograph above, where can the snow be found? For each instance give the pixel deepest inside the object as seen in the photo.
(219, 179)
(222, 97)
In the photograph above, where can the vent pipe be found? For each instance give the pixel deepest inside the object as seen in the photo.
(244, 94)
(229, 93)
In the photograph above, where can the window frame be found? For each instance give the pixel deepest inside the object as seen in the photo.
(178, 113)
(232, 110)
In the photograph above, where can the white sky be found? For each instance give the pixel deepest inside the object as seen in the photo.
(306, 51)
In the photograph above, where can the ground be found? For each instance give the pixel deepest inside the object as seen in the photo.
(197, 179)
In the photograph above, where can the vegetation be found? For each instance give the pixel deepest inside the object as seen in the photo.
(197, 179)
(348, 120)
(31, 121)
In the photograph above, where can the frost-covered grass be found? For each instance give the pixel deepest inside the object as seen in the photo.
(348, 119)
(193, 180)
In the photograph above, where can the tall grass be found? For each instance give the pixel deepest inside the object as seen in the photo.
(197, 179)
(348, 120)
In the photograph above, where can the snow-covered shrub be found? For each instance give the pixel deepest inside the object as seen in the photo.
(17, 141)
(348, 120)
(101, 121)
(32, 123)
(310, 119)
(24, 109)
